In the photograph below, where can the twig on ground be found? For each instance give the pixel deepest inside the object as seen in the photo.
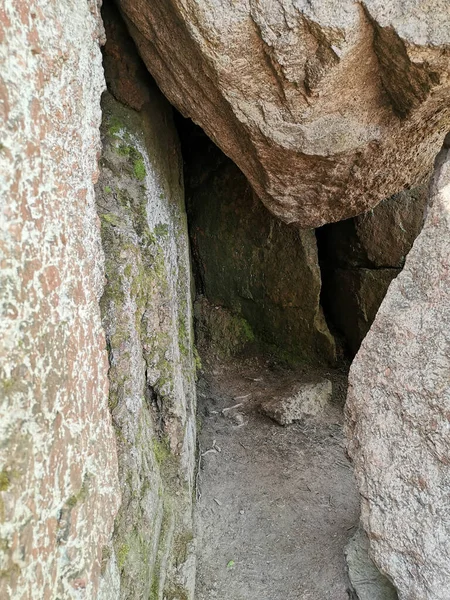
(198, 492)
(209, 451)
(214, 448)
(224, 410)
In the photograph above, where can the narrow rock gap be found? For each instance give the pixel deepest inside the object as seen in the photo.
(278, 312)
(100, 372)
(342, 346)
(245, 380)
(277, 504)
(359, 258)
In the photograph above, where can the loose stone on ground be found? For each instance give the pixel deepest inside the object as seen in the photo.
(309, 399)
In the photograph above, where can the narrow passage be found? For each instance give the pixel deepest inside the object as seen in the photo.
(276, 504)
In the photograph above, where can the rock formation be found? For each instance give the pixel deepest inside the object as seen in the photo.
(367, 581)
(250, 262)
(361, 256)
(76, 520)
(147, 316)
(398, 413)
(327, 107)
(58, 465)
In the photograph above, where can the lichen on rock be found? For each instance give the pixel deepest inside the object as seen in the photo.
(58, 463)
(147, 316)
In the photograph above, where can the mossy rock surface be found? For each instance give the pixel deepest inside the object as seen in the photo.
(260, 269)
(147, 316)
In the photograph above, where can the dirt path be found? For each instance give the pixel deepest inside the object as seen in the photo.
(277, 505)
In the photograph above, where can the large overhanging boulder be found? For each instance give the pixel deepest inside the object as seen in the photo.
(398, 413)
(327, 107)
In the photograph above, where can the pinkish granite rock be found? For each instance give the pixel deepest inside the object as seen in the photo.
(398, 413)
(58, 465)
(327, 107)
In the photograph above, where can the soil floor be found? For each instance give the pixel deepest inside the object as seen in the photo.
(276, 505)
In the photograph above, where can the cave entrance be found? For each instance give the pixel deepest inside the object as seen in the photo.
(277, 503)
(279, 313)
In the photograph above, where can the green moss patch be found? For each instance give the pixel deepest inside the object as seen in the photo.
(5, 481)
(221, 330)
(139, 169)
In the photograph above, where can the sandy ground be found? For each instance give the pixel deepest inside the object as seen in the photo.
(276, 505)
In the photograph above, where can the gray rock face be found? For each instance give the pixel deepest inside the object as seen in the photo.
(147, 316)
(355, 296)
(378, 238)
(367, 581)
(361, 256)
(254, 265)
(398, 412)
(387, 232)
(327, 107)
(307, 400)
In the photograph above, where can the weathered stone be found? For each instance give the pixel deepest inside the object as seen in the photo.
(253, 264)
(353, 299)
(220, 331)
(381, 237)
(387, 232)
(326, 107)
(126, 76)
(147, 315)
(307, 400)
(398, 410)
(359, 258)
(367, 581)
(58, 464)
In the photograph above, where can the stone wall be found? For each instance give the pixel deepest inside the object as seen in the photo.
(147, 315)
(58, 465)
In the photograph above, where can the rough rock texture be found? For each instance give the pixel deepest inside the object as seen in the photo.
(354, 297)
(58, 464)
(387, 232)
(147, 315)
(381, 237)
(220, 331)
(327, 107)
(359, 258)
(307, 400)
(398, 413)
(367, 581)
(251, 263)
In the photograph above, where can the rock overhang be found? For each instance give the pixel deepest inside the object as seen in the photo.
(326, 109)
